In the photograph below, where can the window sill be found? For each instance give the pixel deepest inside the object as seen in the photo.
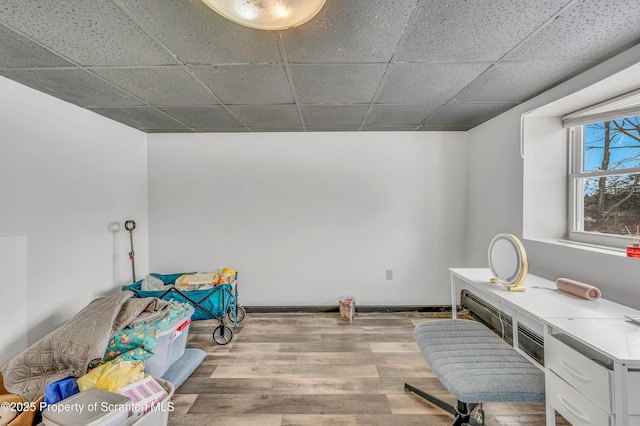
(578, 245)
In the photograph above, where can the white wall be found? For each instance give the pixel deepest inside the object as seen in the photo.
(495, 195)
(13, 280)
(308, 217)
(65, 174)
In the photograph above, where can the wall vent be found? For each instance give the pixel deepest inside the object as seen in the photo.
(531, 343)
(500, 323)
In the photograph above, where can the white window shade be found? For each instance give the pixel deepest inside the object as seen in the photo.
(627, 105)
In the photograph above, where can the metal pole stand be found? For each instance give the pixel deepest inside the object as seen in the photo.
(130, 225)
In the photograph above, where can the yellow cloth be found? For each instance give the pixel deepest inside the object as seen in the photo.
(112, 375)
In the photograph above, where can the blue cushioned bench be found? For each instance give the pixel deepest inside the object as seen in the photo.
(476, 366)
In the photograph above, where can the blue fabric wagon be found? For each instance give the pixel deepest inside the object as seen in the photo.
(212, 303)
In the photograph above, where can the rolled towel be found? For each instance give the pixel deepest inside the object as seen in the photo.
(579, 289)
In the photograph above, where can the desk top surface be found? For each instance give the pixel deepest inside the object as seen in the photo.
(541, 299)
(600, 324)
(600, 333)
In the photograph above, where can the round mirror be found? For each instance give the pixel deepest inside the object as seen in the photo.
(508, 261)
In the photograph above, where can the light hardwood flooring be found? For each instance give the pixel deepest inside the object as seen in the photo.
(315, 369)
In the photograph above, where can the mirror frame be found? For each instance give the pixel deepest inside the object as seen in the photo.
(513, 283)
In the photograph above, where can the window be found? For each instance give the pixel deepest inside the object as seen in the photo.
(604, 181)
(554, 211)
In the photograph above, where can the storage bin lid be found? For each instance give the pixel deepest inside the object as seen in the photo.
(92, 407)
(170, 328)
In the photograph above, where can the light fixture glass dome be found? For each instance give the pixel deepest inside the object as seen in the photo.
(267, 14)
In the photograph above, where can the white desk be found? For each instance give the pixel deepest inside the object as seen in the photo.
(592, 353)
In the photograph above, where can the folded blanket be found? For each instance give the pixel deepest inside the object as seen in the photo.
(200, 278)
(139, 311)
(66, 351)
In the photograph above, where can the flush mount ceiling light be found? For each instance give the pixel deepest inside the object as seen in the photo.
(267, 14)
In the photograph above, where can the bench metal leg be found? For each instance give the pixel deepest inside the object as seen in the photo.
(462, 411)
(432, 399)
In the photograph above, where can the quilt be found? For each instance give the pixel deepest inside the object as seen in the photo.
(69, 350)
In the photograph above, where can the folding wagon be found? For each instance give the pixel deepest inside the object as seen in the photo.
(217, 302)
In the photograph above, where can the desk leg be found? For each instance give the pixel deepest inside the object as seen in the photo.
(454, 303)
(551, 415)
(621, 387)
(549, 410)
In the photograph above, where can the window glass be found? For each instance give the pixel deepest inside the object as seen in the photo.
(612, 204)
(610, 199)
(612, 145)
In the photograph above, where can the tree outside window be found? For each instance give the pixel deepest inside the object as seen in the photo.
(612, 201)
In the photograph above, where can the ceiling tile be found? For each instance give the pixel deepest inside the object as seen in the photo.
(466, 116)
(462, 30)
(519, 81)
(222, 130)
(88, 32)
(336, 84)
(73, 85)
(335, 128)
(17, 51)
(168, 85)
(203, 117)
(246, 84)
(180, 130)
(443, 128)
(350, 31)
(198, 35)
(333, 116)
(399, 115)
(588, 30)
(277, 129)
(144, 118)
(388, 128)
(427, 83)
(267, 115)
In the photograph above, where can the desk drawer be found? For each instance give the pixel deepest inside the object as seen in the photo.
(589, 377)
(573, 405)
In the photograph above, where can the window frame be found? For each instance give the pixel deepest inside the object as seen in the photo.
(576, 177)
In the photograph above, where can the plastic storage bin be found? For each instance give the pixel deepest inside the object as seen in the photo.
(145, 395)
(171, 343)
(159, 413)
(92, 407)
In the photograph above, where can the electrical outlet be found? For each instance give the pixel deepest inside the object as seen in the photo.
(389, 274)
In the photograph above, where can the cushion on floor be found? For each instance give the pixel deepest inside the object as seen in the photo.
(184, 366)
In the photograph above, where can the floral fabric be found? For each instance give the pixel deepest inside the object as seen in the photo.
(138, 343)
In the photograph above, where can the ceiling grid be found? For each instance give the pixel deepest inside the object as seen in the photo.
(359, 65)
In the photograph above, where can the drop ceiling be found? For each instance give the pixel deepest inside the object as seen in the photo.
(359, 65)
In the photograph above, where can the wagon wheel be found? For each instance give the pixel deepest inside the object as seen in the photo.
(222, 334)
(239, 314)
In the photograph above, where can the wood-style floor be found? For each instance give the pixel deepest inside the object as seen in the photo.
(315, 369)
